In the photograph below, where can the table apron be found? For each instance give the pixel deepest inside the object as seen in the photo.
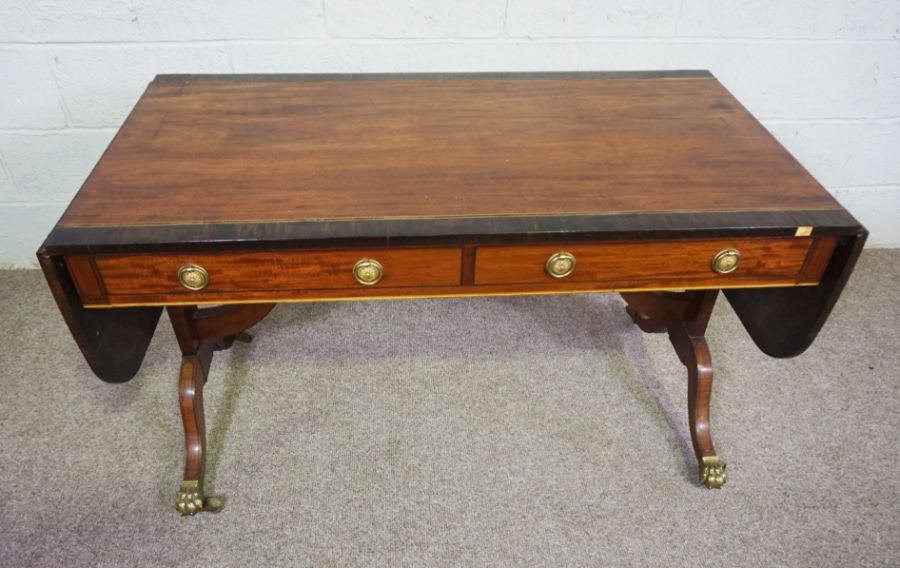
(117, 280)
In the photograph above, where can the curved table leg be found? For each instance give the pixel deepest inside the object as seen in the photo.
(191, 499)
(694, 353)
(199, 334)
(685, 316)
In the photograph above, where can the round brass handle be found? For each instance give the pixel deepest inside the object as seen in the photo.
(726, 261)
(368, 271)
(560, 264)
(193, 277)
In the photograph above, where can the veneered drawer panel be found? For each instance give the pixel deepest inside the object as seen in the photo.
(685, 263)
(278, 270)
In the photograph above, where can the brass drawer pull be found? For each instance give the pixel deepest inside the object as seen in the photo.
(193, 277)
(726, 261)
(368, 271)
(560, 264)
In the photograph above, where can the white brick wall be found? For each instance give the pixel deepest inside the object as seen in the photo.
(824, 75)
(412, 19)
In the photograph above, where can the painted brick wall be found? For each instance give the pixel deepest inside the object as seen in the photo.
(824, 75)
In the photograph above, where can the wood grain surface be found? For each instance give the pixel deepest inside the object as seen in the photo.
(209, 150)
(283, 270)
(631, 265)
(270, 276)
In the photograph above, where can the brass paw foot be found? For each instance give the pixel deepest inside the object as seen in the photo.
(191, 500)
(712, 472)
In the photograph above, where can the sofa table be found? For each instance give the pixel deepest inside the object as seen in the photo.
(237, 192)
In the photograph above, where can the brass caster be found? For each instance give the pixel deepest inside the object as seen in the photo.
(243, 337)
(712, 472)
(192, 501)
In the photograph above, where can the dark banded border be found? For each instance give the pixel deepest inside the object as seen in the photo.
(343, 233)
(525, 75)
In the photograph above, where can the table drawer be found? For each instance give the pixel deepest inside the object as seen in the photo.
(275, 270)
(668, 264)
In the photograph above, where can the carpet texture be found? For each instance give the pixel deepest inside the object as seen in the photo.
(530, 431)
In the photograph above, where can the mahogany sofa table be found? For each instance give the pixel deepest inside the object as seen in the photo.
(246, 191)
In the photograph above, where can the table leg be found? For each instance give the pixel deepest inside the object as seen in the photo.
(201, 332)
(194, 370)
(684, 316)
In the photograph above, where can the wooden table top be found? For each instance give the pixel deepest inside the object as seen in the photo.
(273, 188)
(270, 156)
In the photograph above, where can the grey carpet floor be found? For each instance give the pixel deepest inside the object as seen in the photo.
(530, 431)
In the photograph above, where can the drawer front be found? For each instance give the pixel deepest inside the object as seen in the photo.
(277, 270)
(628, 265)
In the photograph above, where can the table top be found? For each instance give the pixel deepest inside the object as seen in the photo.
(295, 157)
(281, 185)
